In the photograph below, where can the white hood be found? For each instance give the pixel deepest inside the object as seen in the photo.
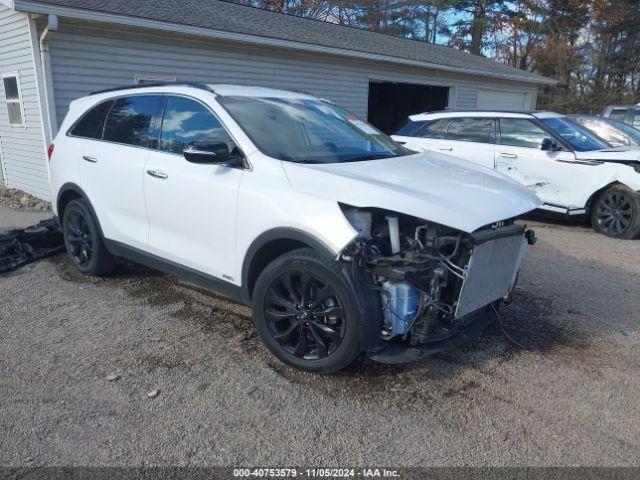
(614, 153)
(431, 186)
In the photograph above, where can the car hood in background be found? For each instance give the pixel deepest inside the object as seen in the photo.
(431, 186)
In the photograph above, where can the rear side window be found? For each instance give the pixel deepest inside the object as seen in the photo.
(435, 129)
(187, 121)
(520, 132)
(471, 130)
(426, 128)
(130, 120)
(636, 118)
(618, 114)
(411, 128)
(91, 123)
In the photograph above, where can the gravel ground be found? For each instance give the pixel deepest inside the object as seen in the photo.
(79, 358)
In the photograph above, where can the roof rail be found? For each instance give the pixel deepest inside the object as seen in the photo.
(202, 86)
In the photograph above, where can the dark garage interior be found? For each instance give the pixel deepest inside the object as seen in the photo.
(391, 103)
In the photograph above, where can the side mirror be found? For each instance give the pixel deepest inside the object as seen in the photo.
(212, 151)
(549, 145)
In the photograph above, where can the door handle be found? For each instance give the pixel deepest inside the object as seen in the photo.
(156, 174)
(89, 159)
(446, 149)
(509, 155)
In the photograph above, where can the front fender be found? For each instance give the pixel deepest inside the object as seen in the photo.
(629, 176)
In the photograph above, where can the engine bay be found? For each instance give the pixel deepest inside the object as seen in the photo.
(420, 269)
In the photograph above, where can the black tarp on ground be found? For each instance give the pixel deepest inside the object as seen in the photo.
(22, 246)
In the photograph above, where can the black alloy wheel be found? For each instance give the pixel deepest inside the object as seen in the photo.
(304, 315)
(79, 239)
(83, 239)
(312, 314)
(616, 213)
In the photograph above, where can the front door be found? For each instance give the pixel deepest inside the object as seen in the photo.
(519, 156)
(191, 207)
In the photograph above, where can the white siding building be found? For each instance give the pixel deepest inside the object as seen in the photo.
(53, 51)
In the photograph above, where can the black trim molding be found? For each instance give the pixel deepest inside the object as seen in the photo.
(152, 261)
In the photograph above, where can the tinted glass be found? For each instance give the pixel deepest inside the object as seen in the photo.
(435, 129)
(90, 125)
(579, 138)
(471, 130)
(411, 128)
(636, 118)
(632, 133)
(520, 132)
(187, 121)
(129, 120)
(606, 129)
(308, 130)
(11, 88)
(618, 113)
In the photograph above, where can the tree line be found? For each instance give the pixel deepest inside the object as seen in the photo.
(591, 48)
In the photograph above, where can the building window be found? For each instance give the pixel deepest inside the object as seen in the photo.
(147, 79)
(14, 99)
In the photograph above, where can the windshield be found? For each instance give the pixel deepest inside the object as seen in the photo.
(579, 138)
(605, 130)
(632, 133)
(308, 130)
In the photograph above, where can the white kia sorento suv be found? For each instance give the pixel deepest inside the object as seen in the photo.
(575, 173)
(343, 242)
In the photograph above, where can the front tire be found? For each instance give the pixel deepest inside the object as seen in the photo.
(616, 213)
(83, 240)
(306, 312)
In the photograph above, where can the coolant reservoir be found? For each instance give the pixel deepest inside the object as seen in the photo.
(400, 302)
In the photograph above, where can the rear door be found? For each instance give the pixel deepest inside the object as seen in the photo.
(111, 169)
(424, 135)
(191, 207)
(519, 156)
(473, 139)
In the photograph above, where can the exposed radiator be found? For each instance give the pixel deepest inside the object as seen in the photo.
(491, 272)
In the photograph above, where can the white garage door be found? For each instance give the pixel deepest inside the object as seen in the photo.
(496, 100)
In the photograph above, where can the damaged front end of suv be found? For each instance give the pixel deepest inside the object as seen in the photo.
(437, 285)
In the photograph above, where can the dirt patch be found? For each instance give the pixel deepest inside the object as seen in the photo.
(167, 362)
(19, 200)
(534, 322)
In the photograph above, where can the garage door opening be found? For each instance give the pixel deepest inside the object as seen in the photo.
(391, 103)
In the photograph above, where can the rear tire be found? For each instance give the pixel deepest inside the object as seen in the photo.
(84, 241)
(306, 312)
(616, 213)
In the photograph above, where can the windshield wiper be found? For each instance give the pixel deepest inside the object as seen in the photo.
(369, 156)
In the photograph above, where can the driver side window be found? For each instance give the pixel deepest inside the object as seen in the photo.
(187, 121)
(520, 132)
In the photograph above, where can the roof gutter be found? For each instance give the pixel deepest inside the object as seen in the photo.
(34, 6)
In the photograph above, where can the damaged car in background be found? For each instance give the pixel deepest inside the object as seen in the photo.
(577, 175)
(343, 242)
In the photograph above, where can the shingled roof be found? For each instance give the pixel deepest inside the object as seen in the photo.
(224, 16)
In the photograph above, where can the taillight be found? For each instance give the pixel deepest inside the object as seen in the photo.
(50, 151)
